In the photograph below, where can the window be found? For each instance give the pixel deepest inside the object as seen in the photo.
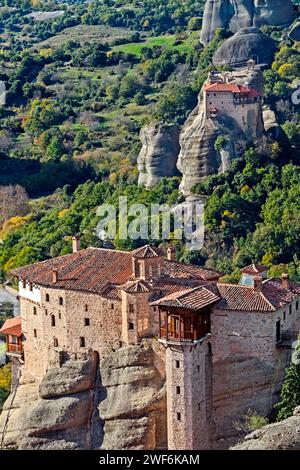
(198, 368)
(34, 310)
(24, 284)
(178, 416)
(131, 326)
(290, 309)
(59, 315)
(86, 308)
(284, 315)
(55, 343)
(112, 306)
(297, 305)
(61, 301)
(131, 308)
(177, 390)
(35, 333)
(150, 271)
(13, 339)
(46, 312)
(52, 320)
(86, 322)
(30, 287)
(177, 364)
(209, 348)
(47, 298)
(82, 341)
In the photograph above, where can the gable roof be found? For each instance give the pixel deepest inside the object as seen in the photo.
(272, 296)
(189, 271)
(192, 299)
(12, 326)
(254, 269)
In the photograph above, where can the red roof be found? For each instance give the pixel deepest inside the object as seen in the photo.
(253, 269)
(12, 326)
(193, 299)
(231, 88)
(98, 270)
(146, 252)
(272, 297)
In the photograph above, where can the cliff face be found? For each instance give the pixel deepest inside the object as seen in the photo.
(248, 43)
(119, 405)
(237, 14)
(158, 157)
(284, 435)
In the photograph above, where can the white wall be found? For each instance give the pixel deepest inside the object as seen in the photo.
(34, 295)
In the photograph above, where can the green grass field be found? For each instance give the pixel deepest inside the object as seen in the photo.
(166, 41)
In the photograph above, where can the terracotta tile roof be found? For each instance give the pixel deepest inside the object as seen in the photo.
(192, 299)
(88, 270)
(231, 88)
(12, 326)
(137, 287)
(189, 271)
(253, 269)
(146, 251)
(272, 297)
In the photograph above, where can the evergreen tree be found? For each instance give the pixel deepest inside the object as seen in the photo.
(290, 393)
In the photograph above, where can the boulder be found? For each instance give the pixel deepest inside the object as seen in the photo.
(248, 43)
(284, 435)
(159, 153)
(237, 14)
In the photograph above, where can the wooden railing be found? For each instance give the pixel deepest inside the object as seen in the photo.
(14, 348)
(175, 335)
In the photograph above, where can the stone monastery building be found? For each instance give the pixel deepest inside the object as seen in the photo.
(225, 347)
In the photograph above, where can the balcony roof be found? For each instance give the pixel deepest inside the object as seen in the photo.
(191, 299)
(12, 326)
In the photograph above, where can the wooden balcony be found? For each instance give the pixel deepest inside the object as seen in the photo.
(184, 327)
(14, 349)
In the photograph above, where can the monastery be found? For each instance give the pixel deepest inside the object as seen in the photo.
(210, 334)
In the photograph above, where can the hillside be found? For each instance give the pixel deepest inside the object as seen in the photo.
(80, 88)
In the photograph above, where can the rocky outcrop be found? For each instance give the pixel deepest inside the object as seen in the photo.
(199, 156)
(237, 14)
(55, 414)
(158, 157)
(119, 405)
(284, 435)
(248, 43)
(134, 411)
(272, 128)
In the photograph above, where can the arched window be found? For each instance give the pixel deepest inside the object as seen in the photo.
(55, 342)
(47, 297)
(52, 320)
(61, 301)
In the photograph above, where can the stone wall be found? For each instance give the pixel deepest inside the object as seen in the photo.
(189, 396)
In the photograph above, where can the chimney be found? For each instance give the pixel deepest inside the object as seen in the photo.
(257, 283)
(171, 253)
(54, 276)
(285, 281)
(76, 243)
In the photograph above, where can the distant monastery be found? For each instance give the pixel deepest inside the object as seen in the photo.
(225, 347)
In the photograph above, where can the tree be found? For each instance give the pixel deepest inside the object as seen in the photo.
(13, 201)
(290, 393)
(5, 383)
(195, 23)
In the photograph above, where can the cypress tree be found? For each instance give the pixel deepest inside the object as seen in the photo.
(290, 393)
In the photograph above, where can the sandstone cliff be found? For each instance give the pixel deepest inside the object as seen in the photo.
(119, 405)
(284, 435)
(237, 14)
(248, 43)
(158, 156)
(199, 156)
